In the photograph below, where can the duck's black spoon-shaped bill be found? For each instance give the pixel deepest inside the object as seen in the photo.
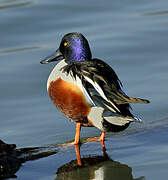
(56, 56)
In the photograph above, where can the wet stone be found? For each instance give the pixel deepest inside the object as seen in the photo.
(9, 164)
(6, 149)
(12, 158)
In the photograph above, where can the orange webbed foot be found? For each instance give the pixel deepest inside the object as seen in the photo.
(99, 139)
(70, 143)
(77, 136)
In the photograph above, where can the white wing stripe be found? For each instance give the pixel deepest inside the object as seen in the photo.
(79, 82)
(100, 91)
(97, 87)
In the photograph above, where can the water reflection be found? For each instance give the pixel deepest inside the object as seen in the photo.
(12, 4)
(154, 13)
(91, 167)
(13, 50)
(95, 168)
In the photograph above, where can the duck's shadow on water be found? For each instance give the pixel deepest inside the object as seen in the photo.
(90, 167)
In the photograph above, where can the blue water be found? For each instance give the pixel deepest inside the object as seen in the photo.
(129, 35)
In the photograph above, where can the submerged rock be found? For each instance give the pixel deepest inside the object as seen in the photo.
(12, 158)
(6, 149)
(9, 163)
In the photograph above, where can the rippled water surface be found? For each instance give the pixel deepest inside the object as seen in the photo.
(129, 35)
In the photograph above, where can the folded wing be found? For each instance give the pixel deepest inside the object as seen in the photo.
(103, 86)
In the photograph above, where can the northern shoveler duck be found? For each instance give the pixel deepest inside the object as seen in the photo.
(87, 90)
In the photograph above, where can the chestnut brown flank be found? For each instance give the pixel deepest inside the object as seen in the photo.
(69, 99)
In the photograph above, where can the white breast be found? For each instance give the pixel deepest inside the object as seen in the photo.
(57, 72)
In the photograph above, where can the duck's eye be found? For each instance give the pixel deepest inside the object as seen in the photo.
(65, 43)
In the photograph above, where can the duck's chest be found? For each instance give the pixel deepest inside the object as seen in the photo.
(67, 94)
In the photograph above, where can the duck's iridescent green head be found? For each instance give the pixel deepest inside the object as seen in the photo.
(74, 47)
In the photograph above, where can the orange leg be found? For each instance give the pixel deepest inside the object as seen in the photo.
(100, 139)
(77, 136)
